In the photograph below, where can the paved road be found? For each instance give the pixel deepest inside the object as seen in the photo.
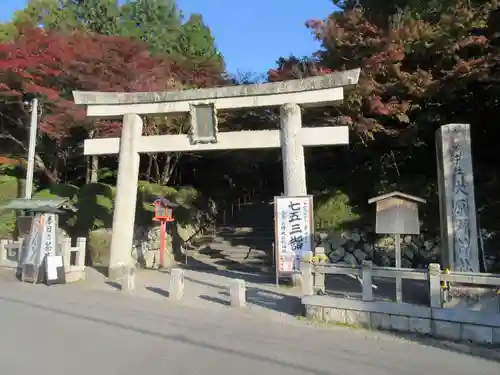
(74, 330)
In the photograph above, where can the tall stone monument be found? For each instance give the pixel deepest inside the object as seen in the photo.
(459, 234)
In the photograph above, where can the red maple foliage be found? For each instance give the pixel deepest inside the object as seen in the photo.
(408, 67)
(52, 65)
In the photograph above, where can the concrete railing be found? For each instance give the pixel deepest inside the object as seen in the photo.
(435, 319)
(10, 253)
(74, 257)
(314, 270)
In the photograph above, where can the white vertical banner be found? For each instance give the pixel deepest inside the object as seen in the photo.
(49, 235)
(294, 231)
(31, 255)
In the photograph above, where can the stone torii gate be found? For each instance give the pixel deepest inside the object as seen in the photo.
(202, 105)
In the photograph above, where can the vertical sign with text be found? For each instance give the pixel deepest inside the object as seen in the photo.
(49, 235)
(41, 242)
(293, 231)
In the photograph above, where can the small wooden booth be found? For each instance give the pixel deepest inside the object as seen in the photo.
(40, 250)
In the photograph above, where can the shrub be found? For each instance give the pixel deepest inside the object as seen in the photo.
(10, 188)
(334, 212)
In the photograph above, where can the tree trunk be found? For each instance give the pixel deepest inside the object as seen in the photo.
(94, 169)
(40, 166)
(156, 168)
(92, 165)
(150, 167)
(168, 168)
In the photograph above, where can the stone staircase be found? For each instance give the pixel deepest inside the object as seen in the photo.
(244, 244)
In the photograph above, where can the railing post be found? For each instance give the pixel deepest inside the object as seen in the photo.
(237, 292)
(128, 278)
(306, 268)
(3, 251)
(66, 252)
(176, 290)
(81, 244)
(435, 285)
(366, 274)
(319, 277)
(20, 250)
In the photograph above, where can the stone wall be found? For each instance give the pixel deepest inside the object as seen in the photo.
(449, 324)
(352, 247)
(146, 245)
(418, 251)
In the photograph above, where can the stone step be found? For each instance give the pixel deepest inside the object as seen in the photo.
(234, 253)
(216, 251)
(245, 231)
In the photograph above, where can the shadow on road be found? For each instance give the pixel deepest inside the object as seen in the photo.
(178, 338)
(160, 291)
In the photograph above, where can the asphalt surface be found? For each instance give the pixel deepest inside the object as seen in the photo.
(73, 330)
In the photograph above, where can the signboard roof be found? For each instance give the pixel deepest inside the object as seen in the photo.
(52, 205)
(396, 194)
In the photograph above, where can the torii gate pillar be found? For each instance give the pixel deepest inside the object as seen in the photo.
(292, 151)
(122, 235)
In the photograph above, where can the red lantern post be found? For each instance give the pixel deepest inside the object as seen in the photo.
(163, 214)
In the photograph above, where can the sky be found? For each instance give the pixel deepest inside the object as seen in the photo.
(251, 35)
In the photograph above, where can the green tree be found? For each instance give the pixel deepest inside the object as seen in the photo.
(99, 16)
(47, 13)
(197, 43)
(157, 22)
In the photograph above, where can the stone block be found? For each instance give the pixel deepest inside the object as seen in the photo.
(477, 334)
(314, 312)
(149, 258)
(400, 323)
(420, 325)
(128, 279)
(496, 336)
(358, 318)
(381, 321)
(319, 281)
(334, 315)
(237, 292)
(297, 280)
(447, 330)
(176, 290)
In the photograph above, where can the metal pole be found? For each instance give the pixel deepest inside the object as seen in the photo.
(163, 240)
(31, 150)
(399, 287)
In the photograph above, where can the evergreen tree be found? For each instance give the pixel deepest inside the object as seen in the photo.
(197, 42)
